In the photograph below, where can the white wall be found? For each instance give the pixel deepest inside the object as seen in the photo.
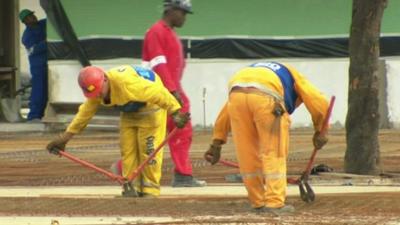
(330, 76)
(393, 90)
(63, 79)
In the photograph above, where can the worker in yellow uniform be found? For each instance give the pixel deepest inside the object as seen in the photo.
(144, 104)
(261, 98)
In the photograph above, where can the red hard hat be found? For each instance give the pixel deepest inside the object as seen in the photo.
(91, 80)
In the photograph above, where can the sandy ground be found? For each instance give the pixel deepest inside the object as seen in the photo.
(24, 162)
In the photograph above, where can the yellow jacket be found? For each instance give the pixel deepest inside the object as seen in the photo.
(268, 81)
(127, 86)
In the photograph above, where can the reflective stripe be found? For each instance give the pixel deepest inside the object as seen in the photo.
(141, 183)
(275, 176)
(154, 62)
(260, 87)
(150, 185)
(30, 50)
(264, 175)
(146, 64)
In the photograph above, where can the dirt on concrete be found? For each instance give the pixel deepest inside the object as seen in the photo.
(327, 209)
(24, 162)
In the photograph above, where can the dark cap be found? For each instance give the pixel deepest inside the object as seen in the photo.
(185, 5)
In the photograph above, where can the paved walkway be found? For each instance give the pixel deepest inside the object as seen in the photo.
(167, 192)
(66, 220)
(22, 127)
(219, 191)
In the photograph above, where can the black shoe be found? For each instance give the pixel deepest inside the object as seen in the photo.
(129, 191)
(258, 210)
(236, 178)
(146, 195)
(282, 210)
(180, 180)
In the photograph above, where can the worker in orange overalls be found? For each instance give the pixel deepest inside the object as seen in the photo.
(261, 98)
(144, 104)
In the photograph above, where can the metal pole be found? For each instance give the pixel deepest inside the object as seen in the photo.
(204, 107)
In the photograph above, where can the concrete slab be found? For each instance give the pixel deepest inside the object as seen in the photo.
(169, 192)
(64, 220)
(22, 127)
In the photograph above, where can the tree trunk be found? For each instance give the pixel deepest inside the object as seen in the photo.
(362, 122)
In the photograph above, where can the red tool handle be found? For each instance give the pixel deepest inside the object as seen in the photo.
(323, 131)
(112, 176)
(140, 168)
(228, 163)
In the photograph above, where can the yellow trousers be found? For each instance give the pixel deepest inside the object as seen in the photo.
(261, 141)
(137, 143)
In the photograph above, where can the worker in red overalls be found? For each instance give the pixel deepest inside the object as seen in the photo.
(163, 53)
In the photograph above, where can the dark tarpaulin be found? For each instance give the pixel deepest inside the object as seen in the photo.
(234, 48)
(58, 18)
(267, 48)
(241, 48)
(99, 48)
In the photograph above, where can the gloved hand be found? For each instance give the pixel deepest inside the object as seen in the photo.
(180, 119)
(178, 97)
(213, 154)
(319, 140)
(59, 143)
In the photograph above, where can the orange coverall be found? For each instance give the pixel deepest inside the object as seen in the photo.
(260, 137)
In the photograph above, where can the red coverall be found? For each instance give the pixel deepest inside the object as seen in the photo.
(163, 53)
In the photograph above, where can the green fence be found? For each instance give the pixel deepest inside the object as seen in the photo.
(254, 18)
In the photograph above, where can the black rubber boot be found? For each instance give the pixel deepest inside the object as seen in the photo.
(181, 180)
(129, 191)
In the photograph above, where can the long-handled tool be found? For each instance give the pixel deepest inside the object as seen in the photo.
(86, 164)
(306, 192)
(129, 190)
(127, 186)
(140, 168)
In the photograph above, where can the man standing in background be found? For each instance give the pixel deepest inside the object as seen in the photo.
(163, 53)
(34, 40)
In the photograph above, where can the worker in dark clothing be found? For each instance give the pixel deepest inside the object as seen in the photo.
(34, 40)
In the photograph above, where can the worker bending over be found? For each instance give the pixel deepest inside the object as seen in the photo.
(144, 103)
(261, 98)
